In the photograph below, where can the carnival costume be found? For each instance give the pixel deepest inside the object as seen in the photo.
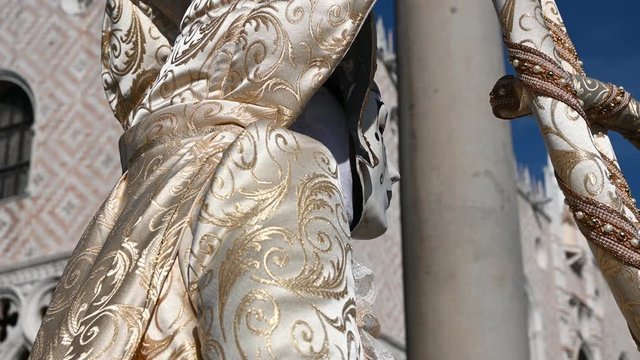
(226, 237)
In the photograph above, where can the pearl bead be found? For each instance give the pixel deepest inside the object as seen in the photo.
(580, 62)
(580, 102)
(608, 228)
(633, 200)
(515, 62)
(635, 242)
(562, 81)
(537, 69)
(579, 215)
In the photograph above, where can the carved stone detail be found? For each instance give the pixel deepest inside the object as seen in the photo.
(25, 292)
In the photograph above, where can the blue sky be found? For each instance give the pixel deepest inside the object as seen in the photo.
(386, 9)
(607, 40)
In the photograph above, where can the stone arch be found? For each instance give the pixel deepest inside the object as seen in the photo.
(584, 353)
(12, 77)
(11, 313)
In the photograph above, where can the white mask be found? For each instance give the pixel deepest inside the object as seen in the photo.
(377, 179)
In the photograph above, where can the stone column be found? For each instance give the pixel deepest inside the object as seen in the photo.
(464, 282)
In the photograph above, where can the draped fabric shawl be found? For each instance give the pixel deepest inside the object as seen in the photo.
(225, 237)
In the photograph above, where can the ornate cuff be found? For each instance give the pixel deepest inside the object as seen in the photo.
(605, 226)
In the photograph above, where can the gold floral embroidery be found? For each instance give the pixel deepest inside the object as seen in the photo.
(222, 214)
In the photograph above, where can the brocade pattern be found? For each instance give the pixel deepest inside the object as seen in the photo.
(226, 236)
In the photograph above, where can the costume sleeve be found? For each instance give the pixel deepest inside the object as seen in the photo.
(270, 268)
(611, 107)
(136, 41)
(624, 282)
(583, 158)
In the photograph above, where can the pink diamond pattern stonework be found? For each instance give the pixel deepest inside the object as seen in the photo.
(75, 155)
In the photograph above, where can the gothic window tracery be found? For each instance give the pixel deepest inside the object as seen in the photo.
(22, 306)
(12, 346)
(8, 317)
(584, 353)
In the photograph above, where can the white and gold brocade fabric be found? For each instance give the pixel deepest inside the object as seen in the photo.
(570, 112)
(226, 237)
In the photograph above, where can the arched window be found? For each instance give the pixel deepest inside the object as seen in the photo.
(584, 353)
(16, 135)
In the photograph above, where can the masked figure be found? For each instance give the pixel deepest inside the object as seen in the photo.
(227, 237)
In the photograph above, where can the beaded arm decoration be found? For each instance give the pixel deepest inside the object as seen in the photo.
(611, 107)
(540, 73)
(564, 46)
(606, 105)
(622, 187)
(604, 226)
(600, 223)
(613, 100)
(509, 99)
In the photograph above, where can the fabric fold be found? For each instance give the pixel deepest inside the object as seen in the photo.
(220, 210)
